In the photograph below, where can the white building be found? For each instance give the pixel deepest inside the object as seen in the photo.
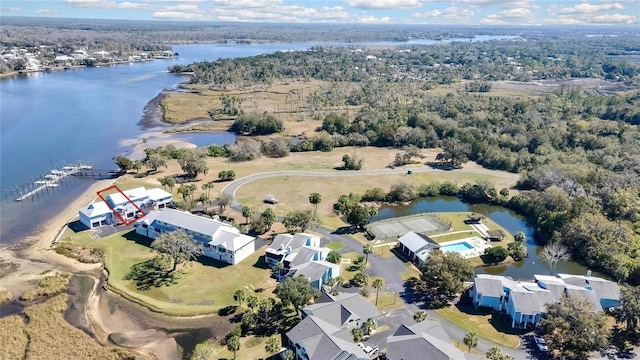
(301, 255)
(100, 213)
(220, 241)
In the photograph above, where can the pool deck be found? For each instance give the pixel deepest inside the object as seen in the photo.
(479, 246)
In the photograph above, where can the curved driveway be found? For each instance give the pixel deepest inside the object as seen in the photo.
(388, 268)
(233, 187)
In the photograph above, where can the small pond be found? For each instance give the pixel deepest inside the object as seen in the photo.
(512, 222)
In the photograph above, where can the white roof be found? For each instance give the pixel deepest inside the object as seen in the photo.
(191, 222)
(95, 209)
(231, 239)
(158, 194)
(132, 194)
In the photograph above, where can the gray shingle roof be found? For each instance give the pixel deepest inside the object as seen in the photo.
(355, 304)
(323, 341)
(526, 302)
(424, 340)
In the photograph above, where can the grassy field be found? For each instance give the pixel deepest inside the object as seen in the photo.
(482, 323)
(47, 335)
(335, 245)
(196, 288)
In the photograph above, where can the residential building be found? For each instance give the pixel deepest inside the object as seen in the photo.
(220, 241)
(301, 254)
(526, 302)
(416, 247)
(424, 340)
(325, 331)
(139, 199)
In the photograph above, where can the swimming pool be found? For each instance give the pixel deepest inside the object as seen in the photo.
(457, 247)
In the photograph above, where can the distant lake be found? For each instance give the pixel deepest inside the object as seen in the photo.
(85, 115)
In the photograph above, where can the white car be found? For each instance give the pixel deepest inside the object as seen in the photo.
(540, 343)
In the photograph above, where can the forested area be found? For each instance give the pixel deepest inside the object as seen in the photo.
(578, 149)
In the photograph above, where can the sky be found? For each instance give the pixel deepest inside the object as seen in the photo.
(458, 12)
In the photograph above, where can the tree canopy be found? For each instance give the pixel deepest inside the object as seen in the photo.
(443, 276)
(573, 330)
(296, 292)
(178, 246)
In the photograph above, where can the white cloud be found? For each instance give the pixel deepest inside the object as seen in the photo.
(243, 4)
(614, 19)
(106, 4)
(517, 15)
(12, 10)
(385, 4)
(374, 20)
(47, 12)
(181, 7)
(450, 14)
(177, 15)
(585, 8)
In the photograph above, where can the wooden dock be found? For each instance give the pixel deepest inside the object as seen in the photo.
(53, 179)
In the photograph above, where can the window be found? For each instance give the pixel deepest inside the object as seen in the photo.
(222, 249)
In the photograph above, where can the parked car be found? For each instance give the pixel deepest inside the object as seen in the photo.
(270, 199)
(540, 343)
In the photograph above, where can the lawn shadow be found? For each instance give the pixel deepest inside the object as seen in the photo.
(138, 239)
(151, 273)
(207, 261)
(261, 264)
(345, 230)
(228, 310)
(500, 322)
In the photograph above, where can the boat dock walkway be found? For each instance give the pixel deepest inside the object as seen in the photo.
(53, 179)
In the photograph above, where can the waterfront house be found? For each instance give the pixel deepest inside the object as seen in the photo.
(325, 330)
(416, 247)
(102, 213)
(424, 340)
(495, 235)
(220, 241)
(526, 302)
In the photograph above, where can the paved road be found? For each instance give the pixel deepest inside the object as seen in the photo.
(233, 187)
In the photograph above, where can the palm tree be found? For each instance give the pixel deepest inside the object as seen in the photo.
(272, 346)
(289, 355)
(315, 199)
(252, 302)
(247, 212)
(420, 316)
(233, 344)
(206, 187)
(239, 296)
(366, 250)
(471, 340)
(339, 280)
(377, 284)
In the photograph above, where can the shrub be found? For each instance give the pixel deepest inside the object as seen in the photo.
(217, 150)
(401, 192)
(245, 150)
(257, 124)
(375, 194)
(495, 255)
(276, 147)
(449, 189)
(431, 189)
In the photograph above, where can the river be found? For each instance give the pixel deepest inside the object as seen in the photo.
(90, 115)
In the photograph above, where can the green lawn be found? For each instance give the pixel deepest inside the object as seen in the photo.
(335, 245)
(482, 323)
(197, 288)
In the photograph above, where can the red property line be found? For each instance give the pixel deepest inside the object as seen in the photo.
(114, 210)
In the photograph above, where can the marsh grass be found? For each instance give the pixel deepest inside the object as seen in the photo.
(5, 296)
(49, 286)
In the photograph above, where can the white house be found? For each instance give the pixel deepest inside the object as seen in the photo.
(100, 213)
(220, 241)
(416, 246)
(526, 302)
(301, 254)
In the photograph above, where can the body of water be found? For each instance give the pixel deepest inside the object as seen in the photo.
(90, 115)
(512, 222)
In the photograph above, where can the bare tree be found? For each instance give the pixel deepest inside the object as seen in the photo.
(554, 252)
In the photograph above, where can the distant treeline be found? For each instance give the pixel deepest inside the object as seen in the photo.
(578, 150)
